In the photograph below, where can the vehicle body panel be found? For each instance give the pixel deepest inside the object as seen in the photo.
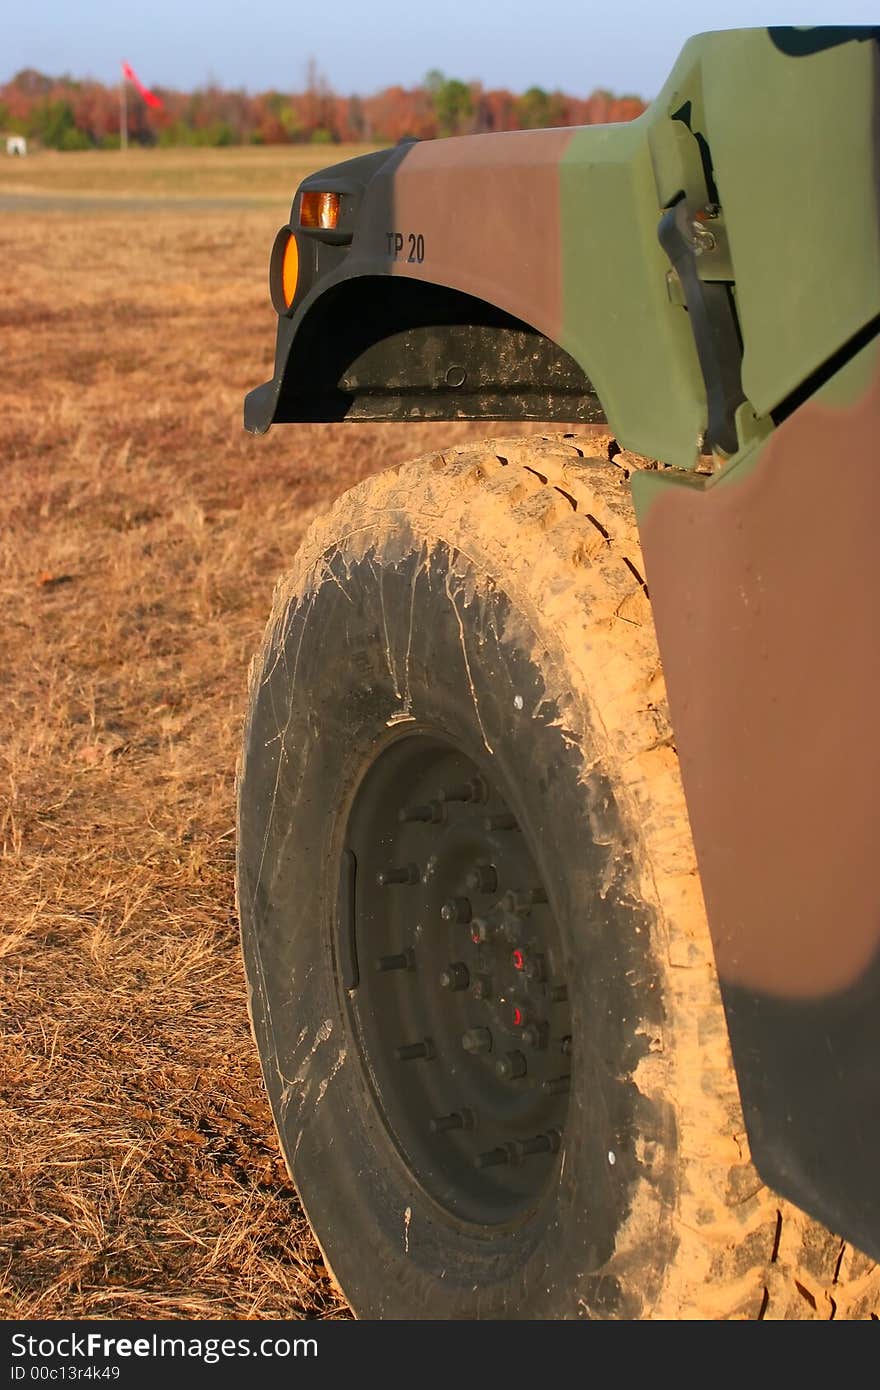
(559, 229)
(488, 207)
(794, 149)
(766, 595)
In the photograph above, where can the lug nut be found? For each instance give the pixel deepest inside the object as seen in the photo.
(404, 960)
(541, 1144)
(518, 903)
(482, 987)
(475, 790)
(536, 968)
(411, 1052)
(456, 910)
(504, 821)
(521, 1014)
(455, 976)
(434, 811)
(511, 1066)
(482, 931)
(535, 1035)
(477, 1040)
(459, 1119)
(483, 878)
(510, 927)
(558, 1086)
(492, 1158)
(407, 873)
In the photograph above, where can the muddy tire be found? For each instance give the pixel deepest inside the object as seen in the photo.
(480, 976)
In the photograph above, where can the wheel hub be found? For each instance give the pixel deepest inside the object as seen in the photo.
(457, 996)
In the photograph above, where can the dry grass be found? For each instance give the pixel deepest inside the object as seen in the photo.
(140, 535)
(243, 172)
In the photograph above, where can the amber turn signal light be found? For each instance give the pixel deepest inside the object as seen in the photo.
(284, 270)
(319, 210)
(289, 271)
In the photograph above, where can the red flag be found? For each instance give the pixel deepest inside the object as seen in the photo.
(149, 97)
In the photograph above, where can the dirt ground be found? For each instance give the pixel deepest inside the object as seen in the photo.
(141, 532)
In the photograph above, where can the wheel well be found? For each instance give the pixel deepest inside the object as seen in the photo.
(393, 348)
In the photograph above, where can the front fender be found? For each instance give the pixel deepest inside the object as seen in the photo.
(767, 133)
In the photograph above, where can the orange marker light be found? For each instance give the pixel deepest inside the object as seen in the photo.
(289, 271)
(319, 210)
(284, 270)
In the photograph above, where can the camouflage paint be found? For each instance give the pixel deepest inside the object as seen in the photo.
(792, 160)
(766, 598)
(797, 176)
(559, 227)
(489, 209)
(619, 325)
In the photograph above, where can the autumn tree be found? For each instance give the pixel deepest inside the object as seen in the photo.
(537, 109)
(68, 114)
(452, 102)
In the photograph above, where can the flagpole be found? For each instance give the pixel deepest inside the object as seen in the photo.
(123, 117)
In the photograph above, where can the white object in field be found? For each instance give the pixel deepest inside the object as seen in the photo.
(16, 144)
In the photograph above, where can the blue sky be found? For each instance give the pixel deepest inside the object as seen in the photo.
(572, 44)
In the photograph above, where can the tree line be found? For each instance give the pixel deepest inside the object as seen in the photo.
(67, 114)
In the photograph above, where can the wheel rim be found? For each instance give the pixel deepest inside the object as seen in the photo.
(453, 970)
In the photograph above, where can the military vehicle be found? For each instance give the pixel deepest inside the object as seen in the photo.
(566, 989)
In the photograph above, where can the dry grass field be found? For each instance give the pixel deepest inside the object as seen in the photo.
(247, 173)
(141, 534)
